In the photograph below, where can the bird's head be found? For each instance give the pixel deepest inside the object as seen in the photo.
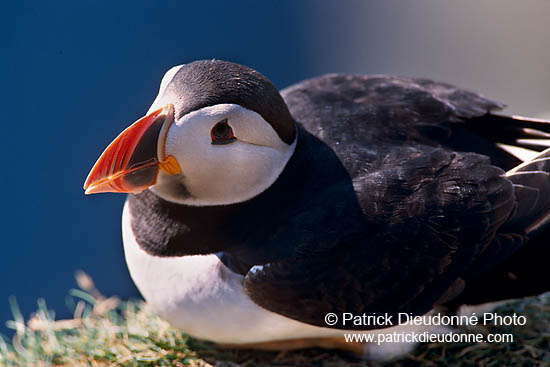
(218, 133)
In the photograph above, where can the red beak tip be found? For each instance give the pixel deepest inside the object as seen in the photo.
(120, 162)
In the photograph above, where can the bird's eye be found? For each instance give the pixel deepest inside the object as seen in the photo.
(222, 133)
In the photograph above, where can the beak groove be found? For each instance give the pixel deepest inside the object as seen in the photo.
(131, 162)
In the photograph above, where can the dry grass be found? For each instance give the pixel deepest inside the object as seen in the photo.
(108, 332)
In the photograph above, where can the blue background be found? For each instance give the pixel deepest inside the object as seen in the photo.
(75, 74)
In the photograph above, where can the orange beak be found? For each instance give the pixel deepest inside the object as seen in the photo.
(132, 161)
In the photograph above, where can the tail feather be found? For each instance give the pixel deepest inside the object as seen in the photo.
(517, 258)
(516, 131)
(526, 198)
(531, 181)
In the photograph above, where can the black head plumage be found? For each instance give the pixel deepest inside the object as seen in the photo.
(210, 82)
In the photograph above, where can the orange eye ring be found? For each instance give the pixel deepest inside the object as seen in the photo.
(222, 133)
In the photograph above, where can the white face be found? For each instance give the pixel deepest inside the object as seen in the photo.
(219, 174)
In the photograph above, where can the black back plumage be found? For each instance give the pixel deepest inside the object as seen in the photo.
(376, 211)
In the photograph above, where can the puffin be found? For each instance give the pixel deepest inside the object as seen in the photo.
(252, 214)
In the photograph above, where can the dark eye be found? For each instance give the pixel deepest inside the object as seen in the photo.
(222, 133)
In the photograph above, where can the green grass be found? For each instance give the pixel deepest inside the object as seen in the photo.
(109, 332)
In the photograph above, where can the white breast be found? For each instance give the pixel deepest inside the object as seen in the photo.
(201, 296)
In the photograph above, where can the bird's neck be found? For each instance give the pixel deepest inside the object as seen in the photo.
(266, 227)
(165, 228)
